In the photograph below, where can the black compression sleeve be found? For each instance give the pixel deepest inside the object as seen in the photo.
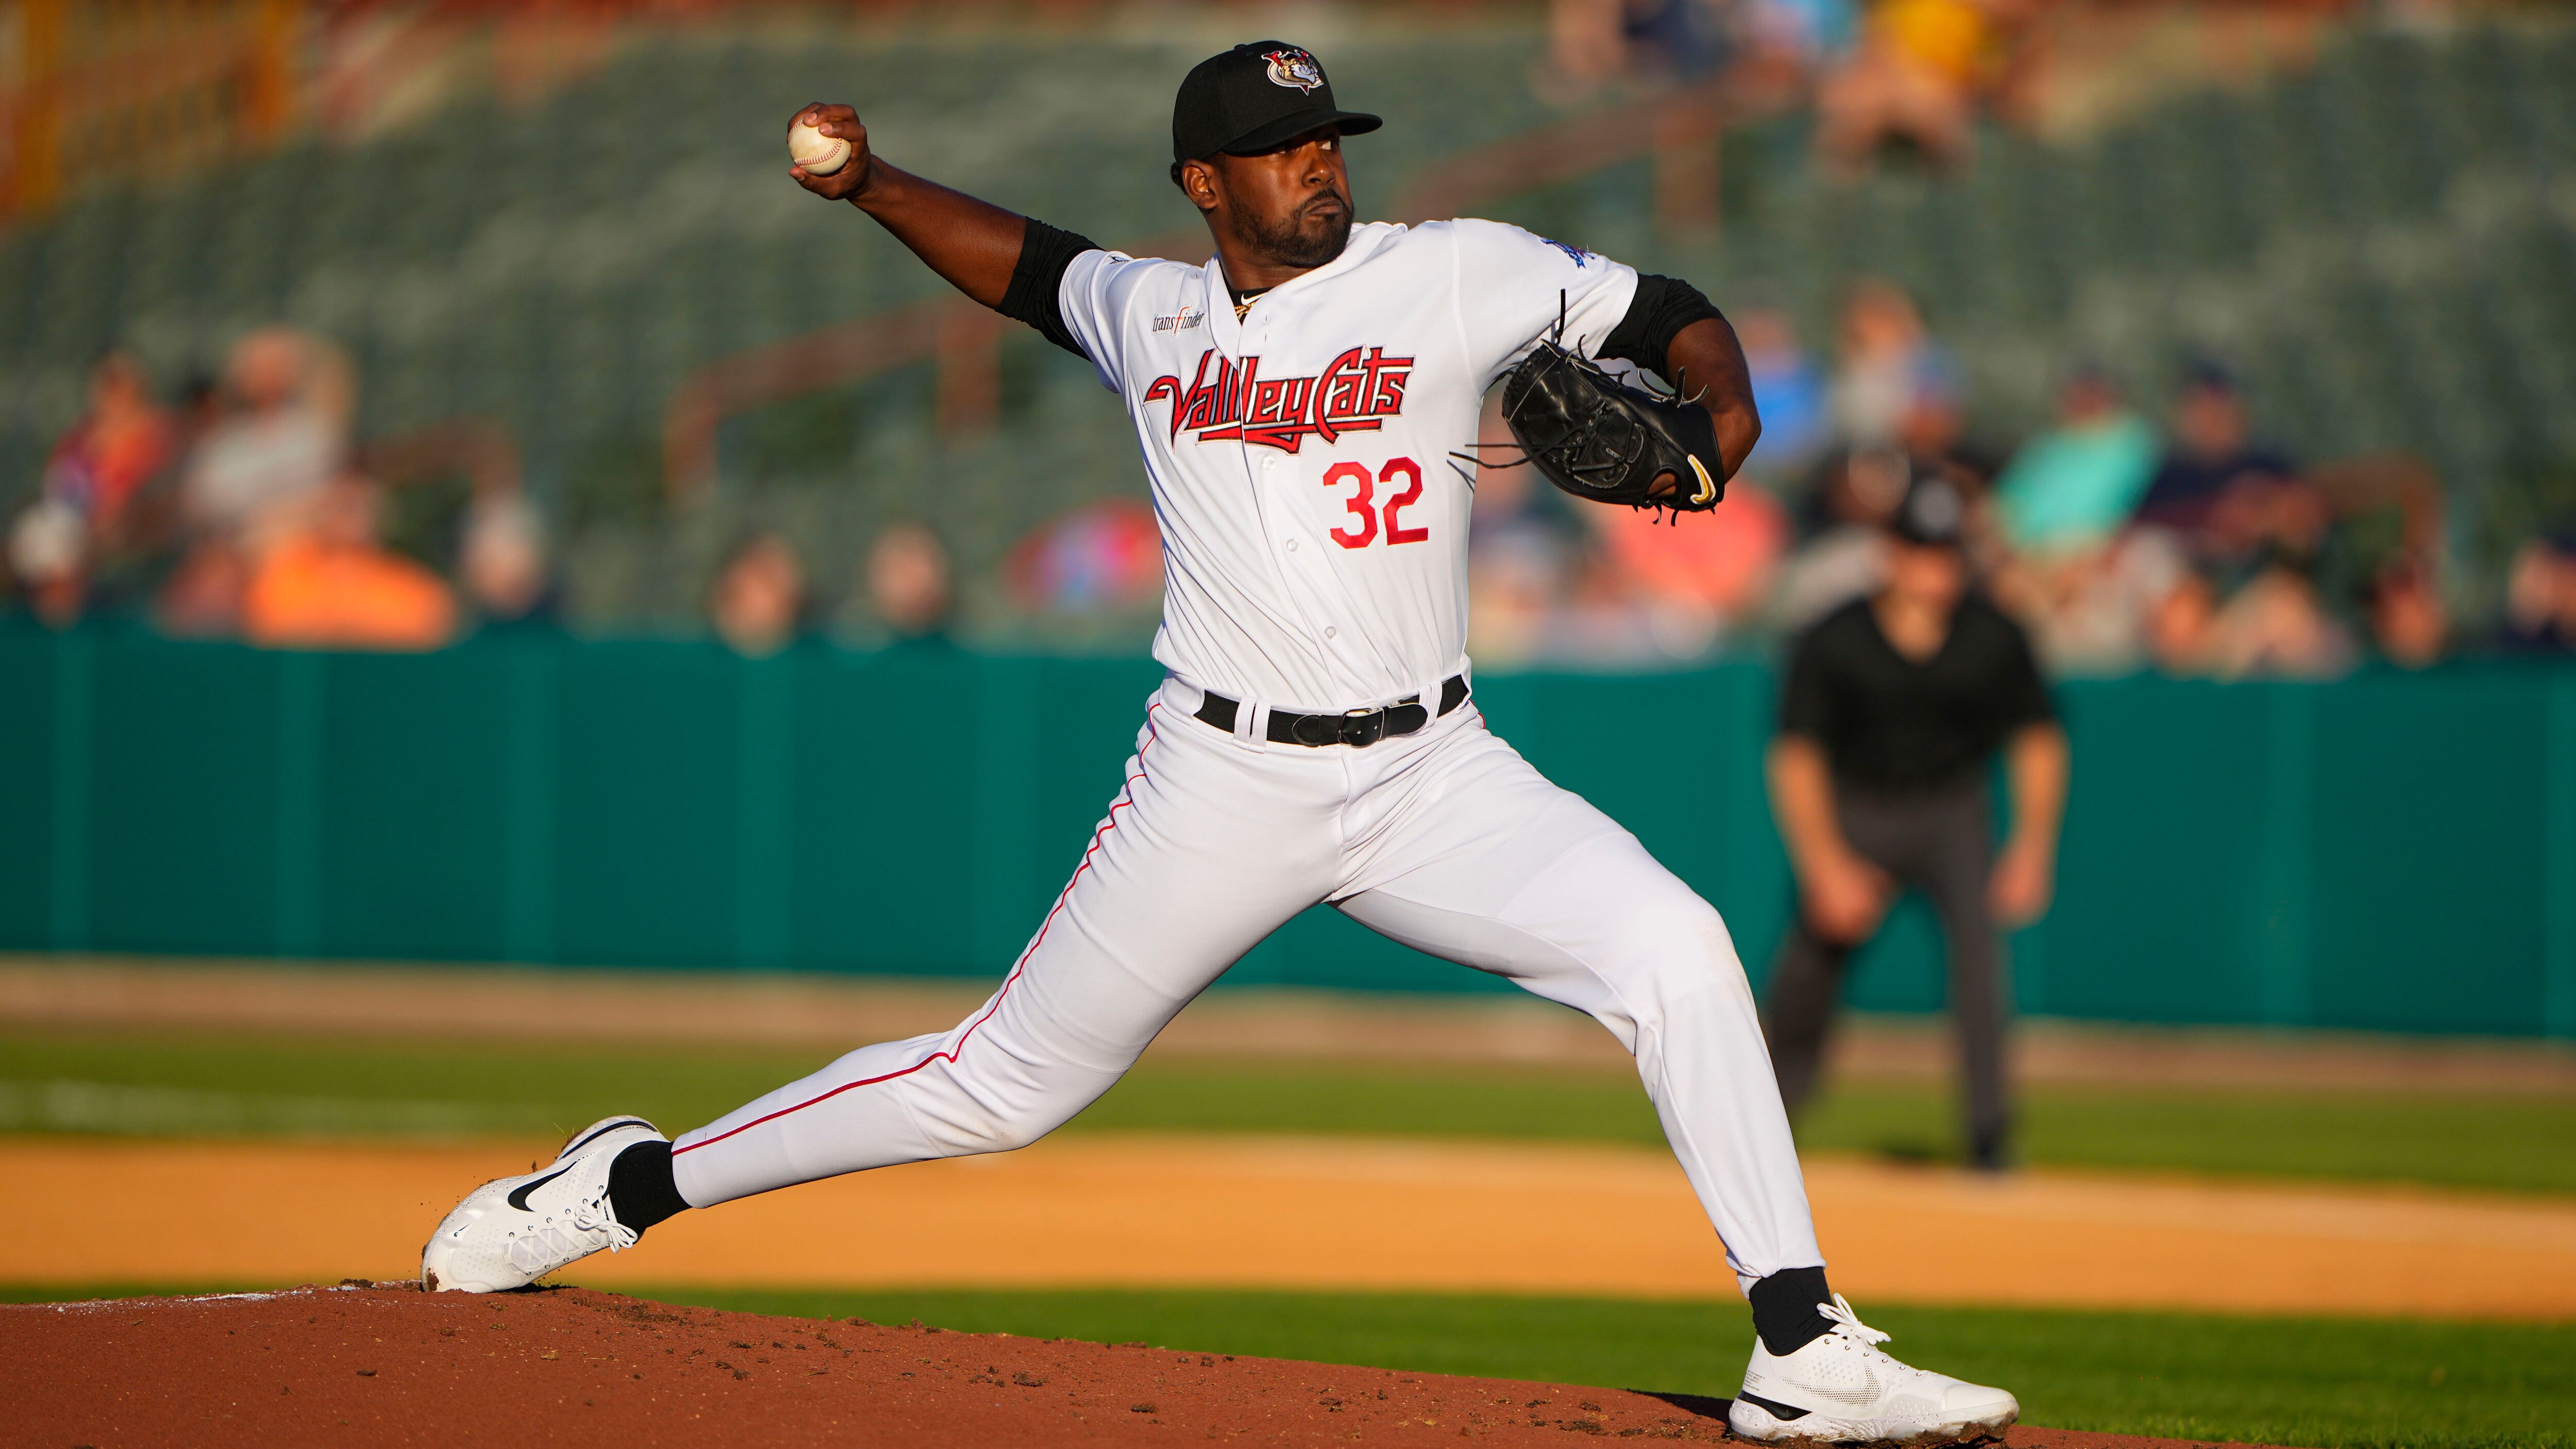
(1662, 307)
(1037, 282)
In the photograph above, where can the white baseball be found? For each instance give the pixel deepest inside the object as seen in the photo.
(819, 154)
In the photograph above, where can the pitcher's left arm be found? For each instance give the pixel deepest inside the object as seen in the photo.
(1676, 333)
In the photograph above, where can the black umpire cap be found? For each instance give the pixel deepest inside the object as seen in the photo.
(1253, 97)
(1931, 513)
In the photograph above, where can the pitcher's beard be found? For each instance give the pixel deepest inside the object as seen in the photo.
(1303, 240)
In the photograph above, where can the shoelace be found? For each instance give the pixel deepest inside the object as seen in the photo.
(551, 1246)
(1848, 1324)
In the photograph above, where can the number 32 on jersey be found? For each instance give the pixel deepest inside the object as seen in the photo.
(1366, 510)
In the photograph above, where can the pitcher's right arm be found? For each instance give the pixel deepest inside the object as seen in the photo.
(973, 244)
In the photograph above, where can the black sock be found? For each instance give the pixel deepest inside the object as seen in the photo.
(640, 1189)
(1784, 1308)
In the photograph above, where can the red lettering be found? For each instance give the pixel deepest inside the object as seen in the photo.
(1343, 389)
(1357, 503)
(1395, 532)
(1389, 395)
(1243, 385)
(1356, 393)
(1294, 394)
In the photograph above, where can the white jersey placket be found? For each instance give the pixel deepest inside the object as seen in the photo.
(1286, 486)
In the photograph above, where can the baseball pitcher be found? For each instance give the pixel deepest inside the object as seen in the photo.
(1297, 399)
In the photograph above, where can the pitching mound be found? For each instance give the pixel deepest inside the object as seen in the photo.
(388, 1364)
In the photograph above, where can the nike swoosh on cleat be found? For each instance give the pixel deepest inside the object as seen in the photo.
(1773, 1407)
(1868, 1393)
(518, 1197)
(605, 1128)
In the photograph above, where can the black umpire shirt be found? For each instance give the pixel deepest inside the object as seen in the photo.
(1889, 725)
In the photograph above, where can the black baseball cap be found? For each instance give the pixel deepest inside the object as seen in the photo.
(1253, 97)
(1931, 514)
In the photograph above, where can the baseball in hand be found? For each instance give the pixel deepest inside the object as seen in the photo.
(819, 154)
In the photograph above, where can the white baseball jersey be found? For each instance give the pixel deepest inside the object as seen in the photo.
(1314, 523)
(1315, 538)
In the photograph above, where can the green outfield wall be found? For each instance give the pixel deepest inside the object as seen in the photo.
(2388, 852)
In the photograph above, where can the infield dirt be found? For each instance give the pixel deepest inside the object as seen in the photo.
(388, 1364)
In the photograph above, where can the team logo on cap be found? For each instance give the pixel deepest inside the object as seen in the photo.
(1295, 69)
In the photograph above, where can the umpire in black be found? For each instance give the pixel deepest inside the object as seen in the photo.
(1894, 710)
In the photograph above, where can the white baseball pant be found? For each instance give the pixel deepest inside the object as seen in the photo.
(1446, 840)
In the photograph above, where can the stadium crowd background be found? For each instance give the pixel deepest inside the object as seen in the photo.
(2250, 327)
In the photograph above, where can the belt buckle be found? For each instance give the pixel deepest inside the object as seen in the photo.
(1362, 728)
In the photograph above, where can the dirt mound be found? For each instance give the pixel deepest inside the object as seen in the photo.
(387, 1364)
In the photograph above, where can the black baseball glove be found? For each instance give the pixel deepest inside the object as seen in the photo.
(1598, 438)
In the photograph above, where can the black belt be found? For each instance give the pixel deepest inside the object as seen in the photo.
(1360, 727)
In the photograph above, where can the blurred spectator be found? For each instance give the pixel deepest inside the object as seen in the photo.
(1681, 38)
(2409, 621)
(1914, 77)
(1521, 550)
(1933, 430)
(2277, 625)
(1591, 42)
(1515, 584)
(1102, 556)
(2182, 626)
(2058, 557)
(202, 598)
(1789, 391)
(2071, 487)
(2274, 625)
(1886, 361)
(266, 451)
(1703, 573)
(2210, 457)
(327, 583)
(1605, 621)
(2261, 519)
(49, 547)
(104, 459)
(2096, 612)
(2540, 597)
(97, 467)
(1894, 708)
(1857, 494)
(908, 583)
(1796, 36)
(503, 560)
(1587, 45)
(282, 439)
(759, 598)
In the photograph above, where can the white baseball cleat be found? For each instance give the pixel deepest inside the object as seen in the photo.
(510, 1232)
(1842, 1389)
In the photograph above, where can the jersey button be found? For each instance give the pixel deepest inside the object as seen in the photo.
(1292, 545)
(1331, 633)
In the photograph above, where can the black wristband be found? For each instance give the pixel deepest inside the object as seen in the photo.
(1037, 282)
(1662, 307)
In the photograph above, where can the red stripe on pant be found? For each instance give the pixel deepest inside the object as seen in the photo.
(1122, 802)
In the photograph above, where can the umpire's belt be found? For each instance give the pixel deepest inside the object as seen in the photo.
(1357, 727)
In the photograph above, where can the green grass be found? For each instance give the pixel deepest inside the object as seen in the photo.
(231, 1085)
(2282, 1381)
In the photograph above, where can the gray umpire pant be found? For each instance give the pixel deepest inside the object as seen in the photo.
(1941, 844)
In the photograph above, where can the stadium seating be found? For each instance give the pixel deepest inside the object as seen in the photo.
(561, 266)
(2384, 243)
